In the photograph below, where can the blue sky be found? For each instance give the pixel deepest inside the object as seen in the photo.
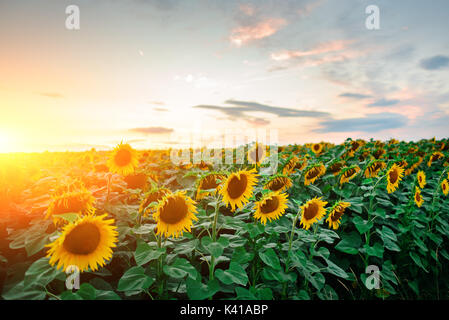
(151, 71)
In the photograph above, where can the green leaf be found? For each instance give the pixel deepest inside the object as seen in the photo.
(215, 248)
(336, 270)
(414, 286)
(389, 238)
(278, 275)
(375, 251)
(362, 225)
(69, 295)
(134, 279)
(254, 230)
(270, 258)
(350, 243)
(86, 292)
(41, 273)
(180, 269)
(242, 256)
(196, 290)
(415, 257)
(22, 292)
(107, 295)
(235, 274)
(145, 253)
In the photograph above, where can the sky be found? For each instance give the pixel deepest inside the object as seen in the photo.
(166, 73)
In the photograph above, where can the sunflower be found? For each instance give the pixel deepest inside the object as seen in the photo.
(290, 166)
(154, 195)
(415, 165)
(301, 164)
(279, 183)
(314, 173)
(374, 167)
(434, 157)
(203, 165)
(317, 148)
(175, 214)
(238, 188)
(123, 160)
(136, 180)
(354, 146)
(85, 243)
(394, 175)
(349, 174)
(445, 187)
(74, 198)
(418, 199)
(378, 153)
(257, 154)
(270, 207)
(402, 163)
(336, 213)
(312, 211)
(335, 167)
(208, 182)
(421, 176)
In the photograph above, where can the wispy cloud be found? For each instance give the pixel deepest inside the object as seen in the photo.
(160, 109)
(319, 49)
(262, 29)
(152, 130)
(51, 94)
(241, 107)
(157, 103)
(241, 110)
(384, 103)
(356, 96)
(435, 63)
(309, 7)
(371, 123)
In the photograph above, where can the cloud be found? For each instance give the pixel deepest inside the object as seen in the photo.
(259, 30)
(309, 7)
(240, 108)
(158, 103)
(51, 94)
(331, 46)
(370, 123)
(257, 122)
(435, 63)
(152, 130)
(357, 96)
(384, 103)
(160, 109)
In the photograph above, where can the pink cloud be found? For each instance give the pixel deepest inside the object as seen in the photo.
(332, 46)
(247, 9)
(260, 30)
(309, 7)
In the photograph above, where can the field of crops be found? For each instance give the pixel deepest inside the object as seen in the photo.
(359, 220)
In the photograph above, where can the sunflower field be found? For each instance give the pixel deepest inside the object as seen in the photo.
(355, 221)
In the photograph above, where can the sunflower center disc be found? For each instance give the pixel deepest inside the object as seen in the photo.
(277, 184)
(174, 210)
(337, 214)
(311, 211)
(123, 157)
(83, 239)
(312, 173)
(270, 205)
(393, 176)
(154, 197)
(210, 182)
(237, 187)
